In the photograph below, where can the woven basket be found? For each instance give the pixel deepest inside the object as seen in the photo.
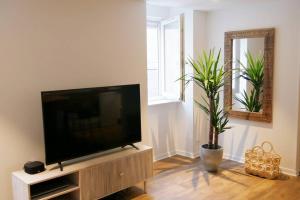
(262, 163)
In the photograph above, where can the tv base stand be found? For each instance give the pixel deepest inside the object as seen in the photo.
(132, 146)
(61, 167)
(90, 179)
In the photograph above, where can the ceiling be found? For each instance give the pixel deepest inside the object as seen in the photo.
(206, 4)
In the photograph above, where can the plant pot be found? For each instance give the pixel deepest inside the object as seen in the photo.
(211, 157)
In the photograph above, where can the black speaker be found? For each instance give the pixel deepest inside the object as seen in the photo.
(34, 167)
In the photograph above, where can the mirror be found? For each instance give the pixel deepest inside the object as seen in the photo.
(249, 61)
(247, 66)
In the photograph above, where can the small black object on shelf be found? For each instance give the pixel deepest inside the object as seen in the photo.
(34, 167)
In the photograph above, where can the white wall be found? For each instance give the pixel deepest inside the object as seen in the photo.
(283, 132)
(50, 45)
(200, 122)
(163, 128)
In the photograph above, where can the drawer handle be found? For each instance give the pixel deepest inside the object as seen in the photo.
(122, 174)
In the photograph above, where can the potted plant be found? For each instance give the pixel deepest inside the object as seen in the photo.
(209, 76)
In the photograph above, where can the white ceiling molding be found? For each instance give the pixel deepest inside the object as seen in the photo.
(208, 4)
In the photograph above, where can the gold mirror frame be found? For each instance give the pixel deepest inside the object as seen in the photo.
(269, 39)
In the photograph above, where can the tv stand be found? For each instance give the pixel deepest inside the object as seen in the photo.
(132, 146)
(96, 178)
(61, 167)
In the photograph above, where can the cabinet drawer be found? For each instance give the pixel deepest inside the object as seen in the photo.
(112, 176)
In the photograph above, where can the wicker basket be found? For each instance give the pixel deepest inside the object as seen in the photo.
(262, 163)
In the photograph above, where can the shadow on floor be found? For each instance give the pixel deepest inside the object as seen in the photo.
(129, 194)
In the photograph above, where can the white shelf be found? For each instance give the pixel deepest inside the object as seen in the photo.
(53, 171)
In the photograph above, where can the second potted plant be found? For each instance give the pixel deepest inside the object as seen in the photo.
(254, 74)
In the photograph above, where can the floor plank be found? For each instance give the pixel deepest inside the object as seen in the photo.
(181, 178)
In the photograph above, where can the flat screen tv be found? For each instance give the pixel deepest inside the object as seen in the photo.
(79, 122)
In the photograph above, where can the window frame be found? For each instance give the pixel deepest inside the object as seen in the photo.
(162, 94)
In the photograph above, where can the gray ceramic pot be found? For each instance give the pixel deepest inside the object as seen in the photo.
(211, 157)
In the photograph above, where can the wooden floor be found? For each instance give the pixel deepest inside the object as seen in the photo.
(183, 178)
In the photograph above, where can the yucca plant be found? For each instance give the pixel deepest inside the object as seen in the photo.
(209, 76)
(250, 102)
(254, 73)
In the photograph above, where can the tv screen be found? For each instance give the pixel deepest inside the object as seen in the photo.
(79, 122)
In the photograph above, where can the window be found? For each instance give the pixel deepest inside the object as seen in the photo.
(164, 59)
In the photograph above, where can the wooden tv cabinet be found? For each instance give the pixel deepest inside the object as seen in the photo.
(91, 179)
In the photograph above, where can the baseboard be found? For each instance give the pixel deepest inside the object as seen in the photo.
(187, 154)
(290, 172)
(234, 158)
(164, 155)
(239, 159)
(173, 153)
